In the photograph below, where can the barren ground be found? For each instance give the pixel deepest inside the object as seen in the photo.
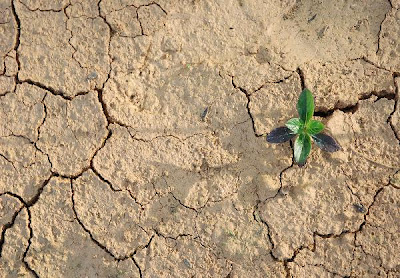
(131, 138)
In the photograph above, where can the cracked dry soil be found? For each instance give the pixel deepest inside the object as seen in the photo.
(131, 138)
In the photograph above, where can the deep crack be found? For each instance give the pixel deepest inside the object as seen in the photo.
(26, 264)
(352, 108)
(89, 232)
(380, 27)
(11, 223)
(247, 107)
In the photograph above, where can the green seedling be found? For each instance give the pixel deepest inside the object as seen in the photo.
(306, 128)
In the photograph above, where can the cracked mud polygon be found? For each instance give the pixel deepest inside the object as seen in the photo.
(132, 138)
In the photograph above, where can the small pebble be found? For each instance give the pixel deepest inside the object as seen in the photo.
(359, 208)
(187, 263)
(204, 114)
(92, 75)
(312, 18)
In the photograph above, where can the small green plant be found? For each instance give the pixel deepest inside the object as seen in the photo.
(306, 128)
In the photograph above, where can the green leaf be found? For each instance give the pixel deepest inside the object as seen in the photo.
(280, 135)
(302, 148)
(314, 127)
(305, 106)
(294, 125)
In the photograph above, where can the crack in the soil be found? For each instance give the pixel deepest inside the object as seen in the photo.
(329, 271)
(366, 60)
(137, 15)
(133, 256)
(70, 37)
(352, 108)
(11, 223)
(26, 264)
(17, 42)
(380, 27)
(43, 10)
(312, 247)
(27, 205)
(247, 106)
(9, 161)
(140, 23)
(90, 233)
(138, 266)
(185, 206)
(44, 119)
(321, 113)
(50, 89)
(396, 106)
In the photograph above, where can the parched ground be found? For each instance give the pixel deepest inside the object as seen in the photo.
(132, 138)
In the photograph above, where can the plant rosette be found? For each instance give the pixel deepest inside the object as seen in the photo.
(306, 129)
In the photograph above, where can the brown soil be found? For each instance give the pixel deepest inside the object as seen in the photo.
(132, 138)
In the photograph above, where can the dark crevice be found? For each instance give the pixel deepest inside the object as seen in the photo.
(95, 170)
(259, 219)
(263, 85)
(287, 269)
(26, 264)
(395, 107)
(44, 119)
(89, 232)
(104, 179)
(50, 89)
(104, 107)
(17, 41)
(137, 15)
(185, 206)
(158, 5)
(366, 60)
(70, 38)
(138, 267)
(324, 113)
(91, 235)
(29, 81)
(230, 272)
(27, 205)
(35, 198)
(11, 223)
(112, 33)
(158, 233)
(380, 27)
(324, 236)
(247, 107)
(8, 160)
(133, 198)
(71, 177)
(140, 23)
(43, 10)
(368, 210)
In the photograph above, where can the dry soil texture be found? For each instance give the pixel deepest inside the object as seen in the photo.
(132, 138)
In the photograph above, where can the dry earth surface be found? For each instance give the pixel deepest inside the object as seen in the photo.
(132, 138)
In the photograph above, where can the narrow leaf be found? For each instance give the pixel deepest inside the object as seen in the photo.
(315, 127)
(280, 135)
(302, 148)
(305, 106)
(294, 125)
(326, 142)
